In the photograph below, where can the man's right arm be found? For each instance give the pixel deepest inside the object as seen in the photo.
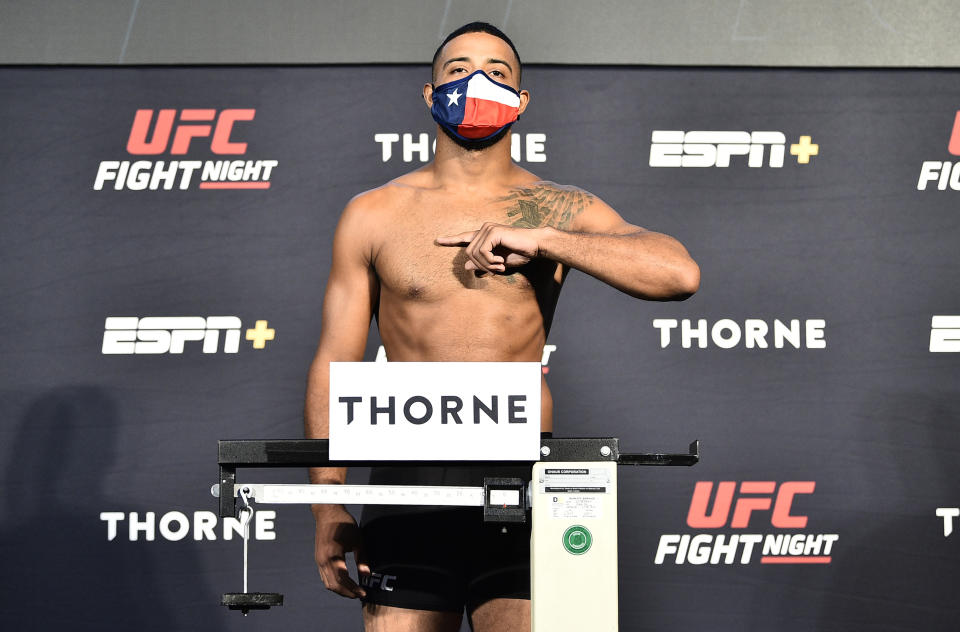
(348, 305)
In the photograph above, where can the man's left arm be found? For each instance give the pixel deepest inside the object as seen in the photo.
(639, 262)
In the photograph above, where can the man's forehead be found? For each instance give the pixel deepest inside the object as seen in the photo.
(480, 44)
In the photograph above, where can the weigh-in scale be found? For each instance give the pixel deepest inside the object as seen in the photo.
(571, 497)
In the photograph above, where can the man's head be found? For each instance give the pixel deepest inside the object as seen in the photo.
(478, 27)
(477, 46)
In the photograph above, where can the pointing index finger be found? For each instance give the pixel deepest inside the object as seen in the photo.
(457, 240)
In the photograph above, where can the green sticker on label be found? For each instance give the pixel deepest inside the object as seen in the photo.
(577, 540)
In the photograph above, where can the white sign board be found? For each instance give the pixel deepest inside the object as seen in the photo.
(435, 411)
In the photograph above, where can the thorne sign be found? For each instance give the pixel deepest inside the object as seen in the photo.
(429, 411)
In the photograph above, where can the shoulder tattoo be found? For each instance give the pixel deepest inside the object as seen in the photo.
(546, 204)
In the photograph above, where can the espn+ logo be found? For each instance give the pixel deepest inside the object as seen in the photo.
(706, 148)
(945, 334)
(173, 132)
(151, 335)
(736, 506)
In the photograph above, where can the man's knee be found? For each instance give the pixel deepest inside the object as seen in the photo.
(377, 618)
(501, 615)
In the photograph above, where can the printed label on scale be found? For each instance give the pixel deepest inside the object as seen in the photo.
(575, 492)
(565, 506)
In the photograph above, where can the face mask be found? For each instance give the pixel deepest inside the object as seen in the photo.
(476, 107)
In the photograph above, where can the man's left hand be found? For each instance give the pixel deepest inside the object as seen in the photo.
(496, 247)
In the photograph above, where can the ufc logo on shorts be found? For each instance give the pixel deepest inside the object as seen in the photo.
(192, 123)
(376, 580)
(752, 496)
(676, 148)
(945, 334)
(167, 334)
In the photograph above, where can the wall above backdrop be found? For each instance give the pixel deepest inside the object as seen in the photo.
(869, 33)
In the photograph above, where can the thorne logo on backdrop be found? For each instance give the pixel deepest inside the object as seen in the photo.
(419, 147)
(948, 514)
(435, 411)
(131, 335)
(737, 507)
(945, 334)
(176, 525)
(946, 173)
(677, 148)
(175, 133)
(755, 333)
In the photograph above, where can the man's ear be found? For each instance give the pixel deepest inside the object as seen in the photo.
(524, 100)
(428, 94)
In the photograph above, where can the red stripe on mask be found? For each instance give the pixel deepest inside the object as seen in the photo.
(482, 117)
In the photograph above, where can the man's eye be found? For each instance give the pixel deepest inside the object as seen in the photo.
(459, 70)
(496, 73)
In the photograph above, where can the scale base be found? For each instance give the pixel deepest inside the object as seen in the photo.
(245, 602)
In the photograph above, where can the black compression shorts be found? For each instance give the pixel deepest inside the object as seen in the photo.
(445, 559)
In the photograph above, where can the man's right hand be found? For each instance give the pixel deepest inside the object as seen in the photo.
(337, 534)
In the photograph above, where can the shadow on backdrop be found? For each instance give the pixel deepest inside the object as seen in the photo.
(58, 569)
(895, 570)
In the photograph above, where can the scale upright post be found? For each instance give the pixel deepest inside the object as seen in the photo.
(573, 543)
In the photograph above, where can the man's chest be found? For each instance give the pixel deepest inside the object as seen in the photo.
(409, 263)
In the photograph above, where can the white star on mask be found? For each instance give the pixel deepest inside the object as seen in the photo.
(454, 97)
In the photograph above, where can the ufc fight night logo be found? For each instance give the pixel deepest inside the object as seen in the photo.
(738, 506)
(946, 173)
(178, 133)
(676, 148)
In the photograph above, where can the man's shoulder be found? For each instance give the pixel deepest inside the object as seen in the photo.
(385, 197)
(546, 193)
(547, 203)
(554, 187)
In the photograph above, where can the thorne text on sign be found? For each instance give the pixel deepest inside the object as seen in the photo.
(439, 411)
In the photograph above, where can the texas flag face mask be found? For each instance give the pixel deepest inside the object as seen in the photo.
(476, 107)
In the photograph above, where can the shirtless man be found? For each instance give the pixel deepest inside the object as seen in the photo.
(463, 260)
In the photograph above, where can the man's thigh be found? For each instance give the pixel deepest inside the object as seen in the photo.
(501, 615)
(378, 618)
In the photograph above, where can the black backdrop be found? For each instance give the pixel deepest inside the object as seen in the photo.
(88, 438)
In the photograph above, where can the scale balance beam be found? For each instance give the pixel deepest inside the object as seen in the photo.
(235, 454)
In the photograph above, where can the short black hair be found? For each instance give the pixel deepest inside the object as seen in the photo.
(478, 27)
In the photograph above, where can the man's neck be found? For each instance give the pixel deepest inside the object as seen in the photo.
(467, 169)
